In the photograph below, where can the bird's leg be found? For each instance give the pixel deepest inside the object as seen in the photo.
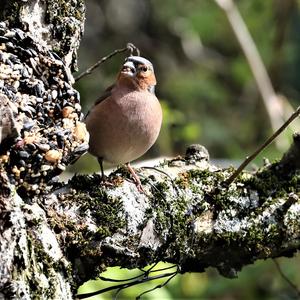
(103, 179)
(136, 178)
(100, 161)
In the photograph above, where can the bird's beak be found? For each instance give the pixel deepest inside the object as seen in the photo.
(129, 69)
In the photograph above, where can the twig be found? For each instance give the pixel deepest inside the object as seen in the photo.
(146, 273)
(129, 47)
(270, 98)
(124, 285)
(158, 286)
(262, 147)
(292, 285)
(163, 172)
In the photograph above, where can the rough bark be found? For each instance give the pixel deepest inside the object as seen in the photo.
(40, 133)
(54, 236)
(56, 25)
(188, 217)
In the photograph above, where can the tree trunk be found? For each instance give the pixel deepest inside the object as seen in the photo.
(40, 133)
(56, 236)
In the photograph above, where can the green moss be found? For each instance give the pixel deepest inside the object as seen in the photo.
(172, 220)
(175, 215)
(37, 257)
(61, 13)
(64, 9)
(272, 184)
(214, 197)
(95, 205)
(159, 192)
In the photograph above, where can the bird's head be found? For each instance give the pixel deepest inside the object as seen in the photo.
(139, 71)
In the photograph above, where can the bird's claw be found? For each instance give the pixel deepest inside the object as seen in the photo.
(140, 187)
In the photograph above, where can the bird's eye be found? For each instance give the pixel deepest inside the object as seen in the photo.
(144, 69)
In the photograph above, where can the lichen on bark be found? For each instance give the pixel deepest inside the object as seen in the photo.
(191, 218)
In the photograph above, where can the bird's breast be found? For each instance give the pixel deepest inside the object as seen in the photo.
(124, 126)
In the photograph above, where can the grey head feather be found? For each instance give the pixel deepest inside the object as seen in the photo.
(139, 60)
(136, 60)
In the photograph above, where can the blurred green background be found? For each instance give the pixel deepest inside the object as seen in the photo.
(208, 95)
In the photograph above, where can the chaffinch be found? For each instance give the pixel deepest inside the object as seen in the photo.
(125, 121)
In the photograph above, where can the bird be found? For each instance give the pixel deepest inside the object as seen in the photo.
(126, 120)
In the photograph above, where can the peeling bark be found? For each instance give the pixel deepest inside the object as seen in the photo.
(55, 236)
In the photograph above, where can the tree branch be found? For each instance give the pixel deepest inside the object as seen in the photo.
(195, 224)
(191, 220)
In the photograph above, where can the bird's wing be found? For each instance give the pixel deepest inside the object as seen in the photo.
(104, 96)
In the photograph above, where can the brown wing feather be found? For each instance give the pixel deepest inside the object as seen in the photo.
(104, 96)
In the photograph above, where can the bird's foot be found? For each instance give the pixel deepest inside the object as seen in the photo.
(136, 179)
(139, 186)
